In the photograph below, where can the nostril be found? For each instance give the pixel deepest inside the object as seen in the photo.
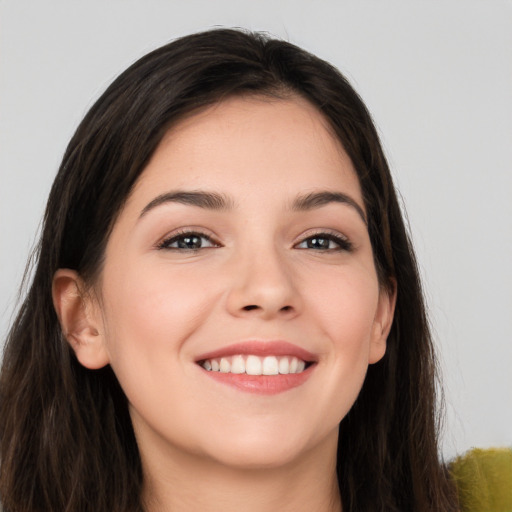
(269, 310)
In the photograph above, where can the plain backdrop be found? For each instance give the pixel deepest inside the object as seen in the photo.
(437, 77)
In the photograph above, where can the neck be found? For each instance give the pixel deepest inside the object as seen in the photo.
(183, 483)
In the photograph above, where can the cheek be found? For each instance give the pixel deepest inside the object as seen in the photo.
(345, 305)
(345, 310)
(150, 314)
(152, 310)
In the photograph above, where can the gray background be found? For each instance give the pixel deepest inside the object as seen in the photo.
(437, 77)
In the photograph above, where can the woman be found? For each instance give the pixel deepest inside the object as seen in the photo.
(237, 319)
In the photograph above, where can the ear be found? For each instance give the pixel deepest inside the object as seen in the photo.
(80, 319)
(382, 323)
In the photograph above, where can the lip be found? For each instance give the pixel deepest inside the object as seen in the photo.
(261, 384)
(262, 349)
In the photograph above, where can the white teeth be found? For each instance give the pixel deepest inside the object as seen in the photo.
(255, 365)
(238, 365)
(270, 366)
(225, 366)
(284, 365)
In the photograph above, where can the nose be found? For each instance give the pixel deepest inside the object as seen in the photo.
(263, 285)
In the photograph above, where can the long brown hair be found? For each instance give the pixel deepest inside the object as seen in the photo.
(66, 438)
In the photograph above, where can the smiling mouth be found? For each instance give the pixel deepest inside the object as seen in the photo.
(260, 367)
(255, 365)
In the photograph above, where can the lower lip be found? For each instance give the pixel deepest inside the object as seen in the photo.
(262, 384)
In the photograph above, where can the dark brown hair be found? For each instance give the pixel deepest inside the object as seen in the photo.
(66, 439)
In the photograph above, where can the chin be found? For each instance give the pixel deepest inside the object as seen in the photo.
(269, 450)
(258, 457)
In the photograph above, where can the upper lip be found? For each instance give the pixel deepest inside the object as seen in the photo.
(260, 348)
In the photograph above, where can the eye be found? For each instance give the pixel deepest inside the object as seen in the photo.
(188, 241)
(325, 242)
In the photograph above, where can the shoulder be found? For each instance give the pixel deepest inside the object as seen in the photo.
(484, 480)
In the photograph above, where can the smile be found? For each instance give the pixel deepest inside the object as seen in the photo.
(255, 365)
(260, 367)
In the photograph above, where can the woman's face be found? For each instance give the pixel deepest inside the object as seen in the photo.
(240, 302)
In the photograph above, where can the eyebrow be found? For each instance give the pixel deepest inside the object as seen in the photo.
(318, 199)
(219, 202)
(206, 200)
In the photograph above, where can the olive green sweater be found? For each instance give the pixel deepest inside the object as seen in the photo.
(484, 480)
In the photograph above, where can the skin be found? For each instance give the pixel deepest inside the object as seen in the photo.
(205, 445)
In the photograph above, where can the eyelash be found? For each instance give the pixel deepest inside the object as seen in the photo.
(343, 244)
(176, 237)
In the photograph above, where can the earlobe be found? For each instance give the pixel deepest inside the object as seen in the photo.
(382, 323)
(80, 319)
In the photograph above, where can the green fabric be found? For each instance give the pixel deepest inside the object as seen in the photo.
(484, 480)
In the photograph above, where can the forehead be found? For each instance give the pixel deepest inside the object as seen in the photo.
(253, 142)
